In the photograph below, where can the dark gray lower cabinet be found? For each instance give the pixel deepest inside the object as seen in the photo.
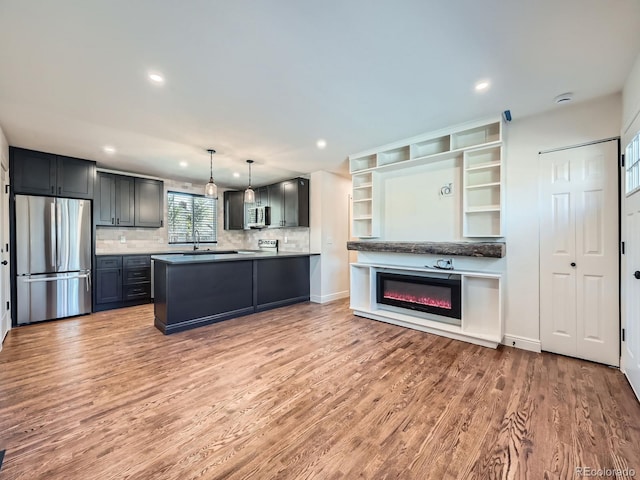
(108, 285)
(122, 281)
(189, 295)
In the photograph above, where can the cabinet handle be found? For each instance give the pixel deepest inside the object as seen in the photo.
(113, 221)
(118, 222)
(53, 189)
(59, 190)
(161, 222)
(119, 272)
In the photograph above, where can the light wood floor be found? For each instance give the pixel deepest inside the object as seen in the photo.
(307, 391)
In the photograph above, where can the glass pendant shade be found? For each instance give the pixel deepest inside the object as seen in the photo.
(211, 189)
(249, 194)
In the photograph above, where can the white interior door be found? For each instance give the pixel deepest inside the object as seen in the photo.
(631, 265)
(5, 289)
(579, 278)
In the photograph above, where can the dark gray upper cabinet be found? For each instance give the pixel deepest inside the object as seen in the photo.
(275, 202)
(123, 201)
(262, 196)
(114, 200)
(233, 210)
(149, 203)
(289, 203)
(39, 173)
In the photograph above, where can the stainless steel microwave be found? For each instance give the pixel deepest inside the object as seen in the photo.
(259, 217)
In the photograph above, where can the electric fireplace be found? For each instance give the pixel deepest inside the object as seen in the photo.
(439, 295)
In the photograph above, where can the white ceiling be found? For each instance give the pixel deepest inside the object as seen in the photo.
(264, 79)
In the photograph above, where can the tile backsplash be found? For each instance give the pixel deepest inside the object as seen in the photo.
(108, 239)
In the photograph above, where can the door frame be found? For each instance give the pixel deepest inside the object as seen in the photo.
(5, 284)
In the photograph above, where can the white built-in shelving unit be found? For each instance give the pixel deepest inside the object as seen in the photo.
(480, 147)
(482, 315)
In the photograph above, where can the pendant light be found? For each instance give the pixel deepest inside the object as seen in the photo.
(211, 189)
(249, 194)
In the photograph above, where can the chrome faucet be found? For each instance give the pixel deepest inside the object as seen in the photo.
(196, 243)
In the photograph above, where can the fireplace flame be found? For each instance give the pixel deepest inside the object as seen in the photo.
(430, 301)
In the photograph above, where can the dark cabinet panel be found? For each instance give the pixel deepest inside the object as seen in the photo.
(104, 204)
(275, 202)
(33, 172)
(114, 200)
(39, 173)
(125, 200)
(282, 280)
(149, 204)
(75, 178)
(289, 203)
(108, 285)
(234, 210)
(262, 196)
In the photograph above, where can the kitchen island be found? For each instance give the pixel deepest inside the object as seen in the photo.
(192, 290)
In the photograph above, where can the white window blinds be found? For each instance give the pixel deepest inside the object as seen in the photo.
(192, 218)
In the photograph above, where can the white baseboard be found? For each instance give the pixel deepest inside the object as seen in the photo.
(329, 298)
(522, 343)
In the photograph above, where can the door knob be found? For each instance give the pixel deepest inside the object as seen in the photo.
(4, 262)
(573, 264)
(637, 274)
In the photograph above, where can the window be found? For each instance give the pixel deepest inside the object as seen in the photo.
(632, 162)
(191, 218)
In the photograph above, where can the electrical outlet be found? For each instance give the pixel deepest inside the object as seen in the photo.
(123, 239)
(286, 239)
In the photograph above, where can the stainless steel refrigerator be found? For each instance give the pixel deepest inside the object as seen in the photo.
(53, 258)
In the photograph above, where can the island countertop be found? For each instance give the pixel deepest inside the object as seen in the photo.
(185, 258)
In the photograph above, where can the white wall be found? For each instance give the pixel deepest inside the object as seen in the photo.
(4, 150)
(329, 200)
(631, 104)
(414, 210)
(564, 126)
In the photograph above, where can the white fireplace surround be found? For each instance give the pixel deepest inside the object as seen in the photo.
(482, 300)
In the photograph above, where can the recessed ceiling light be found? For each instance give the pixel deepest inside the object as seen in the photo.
(321, 144)
(109, 149)
(236, 174)
(482, 86)
(156, 78)
(183, 164)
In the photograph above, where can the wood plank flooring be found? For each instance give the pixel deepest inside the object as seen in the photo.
(303, 392)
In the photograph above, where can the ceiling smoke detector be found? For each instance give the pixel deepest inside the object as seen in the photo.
(563, 98)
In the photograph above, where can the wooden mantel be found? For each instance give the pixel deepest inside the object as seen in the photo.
(466, 249)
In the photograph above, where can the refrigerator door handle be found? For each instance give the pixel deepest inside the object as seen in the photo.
(53, 235)
(55, 279)
(58, 235)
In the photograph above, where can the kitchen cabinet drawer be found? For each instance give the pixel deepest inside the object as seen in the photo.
(137, 261)
(137, 275)
(108, 261)
(137, 292)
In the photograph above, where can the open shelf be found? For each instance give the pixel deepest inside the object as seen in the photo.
(476, 136)
(483, 195)
(478, 144)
